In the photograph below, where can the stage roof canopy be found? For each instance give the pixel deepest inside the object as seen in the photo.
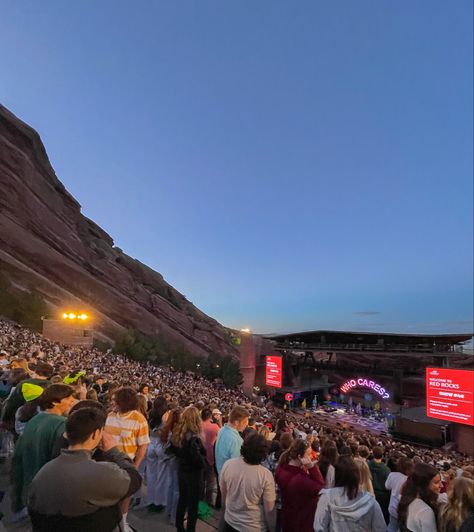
(354, 337)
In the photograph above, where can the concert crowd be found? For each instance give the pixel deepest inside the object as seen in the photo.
(91, 435)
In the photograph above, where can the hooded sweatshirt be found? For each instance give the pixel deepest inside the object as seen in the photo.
(299, 493)
(337, 513)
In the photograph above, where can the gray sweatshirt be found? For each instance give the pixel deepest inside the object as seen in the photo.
(337, 513)
(74, 492)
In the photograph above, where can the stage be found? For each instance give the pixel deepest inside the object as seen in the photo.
(339, 417)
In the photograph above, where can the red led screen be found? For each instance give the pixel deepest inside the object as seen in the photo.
(449, 394)
(273, 373)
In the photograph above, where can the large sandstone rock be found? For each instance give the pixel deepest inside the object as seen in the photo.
(46, 242)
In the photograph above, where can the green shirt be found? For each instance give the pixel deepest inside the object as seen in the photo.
(32, 451)
(379, 472)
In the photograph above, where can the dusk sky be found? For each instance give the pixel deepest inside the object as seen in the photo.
(285, 165)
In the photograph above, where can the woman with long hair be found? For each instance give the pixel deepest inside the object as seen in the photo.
(327, 460)
(417, 510)
(162, 473)
(458, 513)
(365, 477)
(142, 405)
(347, 508)
(187, 438)
(171, 463)
(158, 409)
(281, 428)
(300, 482)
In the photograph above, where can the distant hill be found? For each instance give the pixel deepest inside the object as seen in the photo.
(47, 243)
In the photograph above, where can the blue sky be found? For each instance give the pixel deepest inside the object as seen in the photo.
(285, 165)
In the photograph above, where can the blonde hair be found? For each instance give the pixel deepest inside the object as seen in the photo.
(21, 363)
(365, 483)
(460, 501)
(264, 431)
(190, 421)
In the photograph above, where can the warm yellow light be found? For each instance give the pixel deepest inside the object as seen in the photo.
(83, 316)
(72, 316)
(65, 315)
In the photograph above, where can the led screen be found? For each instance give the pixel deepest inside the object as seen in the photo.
(449, 394)
(273, 373)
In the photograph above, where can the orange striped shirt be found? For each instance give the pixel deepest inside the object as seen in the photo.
(129, 431)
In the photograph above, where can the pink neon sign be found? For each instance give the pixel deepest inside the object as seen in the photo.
(365, 383)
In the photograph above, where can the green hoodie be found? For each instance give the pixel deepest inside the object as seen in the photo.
(32, 451)
(379, 472)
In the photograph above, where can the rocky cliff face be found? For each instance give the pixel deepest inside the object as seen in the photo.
(46, 242)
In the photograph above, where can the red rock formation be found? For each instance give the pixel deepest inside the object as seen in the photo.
(46, 242)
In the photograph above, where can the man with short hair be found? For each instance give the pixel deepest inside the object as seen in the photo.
(251, 427)
(216, 417)
(36, 444)
(380, 472)
(75, 493)
(229, 441)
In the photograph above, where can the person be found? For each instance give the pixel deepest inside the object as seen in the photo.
(365, 477)
(394, 483)
(210, 432)
(327, 460)
(380, 472)
(458, 511)
(417, 509)
(187, 438)
(129, 430)
(35, 446)
(73, 492)
(127, 426)
(363, 452)
(229, 441)
(31, 394)
(145, 390)
(77, 379)
(281, 428)
(266, 433)
(43, 374)
(300, 482)
(217, 417)
(100, 387)
(142, 405)
(248, 489)
(345, 508)
(251, 427)
(162, 470)
(157, 411)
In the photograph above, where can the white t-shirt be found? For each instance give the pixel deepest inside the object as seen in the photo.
(421, 517)
(247, 487)
(394, 483)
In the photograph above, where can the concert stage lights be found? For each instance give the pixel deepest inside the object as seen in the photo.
(75, 316)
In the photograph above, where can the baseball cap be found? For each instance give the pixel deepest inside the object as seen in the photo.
(217, 411)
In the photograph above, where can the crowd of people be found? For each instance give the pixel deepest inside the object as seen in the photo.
(97, 434)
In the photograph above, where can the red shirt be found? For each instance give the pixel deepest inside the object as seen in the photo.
(299, 496)
(210, 431)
